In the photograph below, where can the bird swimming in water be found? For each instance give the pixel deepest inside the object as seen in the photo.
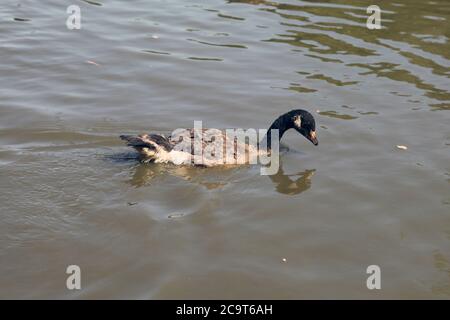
(208, 147)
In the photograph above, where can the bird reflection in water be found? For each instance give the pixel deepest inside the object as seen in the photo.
(289, 184)
(145, 173)
(292, 184)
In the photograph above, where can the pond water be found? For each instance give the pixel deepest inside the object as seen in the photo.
(72, 193)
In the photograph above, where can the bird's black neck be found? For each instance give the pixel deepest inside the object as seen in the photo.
(282, 125)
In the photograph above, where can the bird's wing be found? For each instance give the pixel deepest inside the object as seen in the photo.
(151, 141)
(187, 138)
(210, 140)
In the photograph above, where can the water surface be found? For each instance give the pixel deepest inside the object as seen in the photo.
(72, 193)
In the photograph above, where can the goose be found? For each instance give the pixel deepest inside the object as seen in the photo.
(158, 148)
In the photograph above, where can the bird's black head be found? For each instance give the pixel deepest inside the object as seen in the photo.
(304, 123)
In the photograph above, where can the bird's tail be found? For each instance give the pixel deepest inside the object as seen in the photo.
(150, 146)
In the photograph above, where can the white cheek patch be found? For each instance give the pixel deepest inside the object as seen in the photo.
(298, 121)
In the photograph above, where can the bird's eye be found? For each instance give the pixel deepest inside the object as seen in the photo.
(297, 121)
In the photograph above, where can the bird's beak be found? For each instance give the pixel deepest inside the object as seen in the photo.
(313, 138)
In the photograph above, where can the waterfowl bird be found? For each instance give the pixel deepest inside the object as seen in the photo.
(212, 143)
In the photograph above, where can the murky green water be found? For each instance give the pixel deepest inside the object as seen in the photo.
(72, 193)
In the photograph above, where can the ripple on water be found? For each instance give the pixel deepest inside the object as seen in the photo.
(94, 3)
(440, 106)
(22, 19)
(300, 89)
(335, 114)
(229, 45)
(204, 59)
(331, 80)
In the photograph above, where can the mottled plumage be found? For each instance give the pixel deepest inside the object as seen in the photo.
(202, 146)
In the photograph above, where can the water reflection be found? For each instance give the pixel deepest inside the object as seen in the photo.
(336, 33)
(145, 174)
(442, 264)
(293, 183)
(216, 178)
(334, 114)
